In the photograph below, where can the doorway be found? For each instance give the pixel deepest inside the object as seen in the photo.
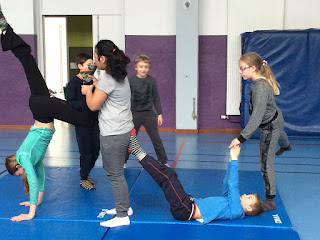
(64, 38)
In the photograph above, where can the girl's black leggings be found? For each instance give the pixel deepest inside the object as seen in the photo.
(43, 107)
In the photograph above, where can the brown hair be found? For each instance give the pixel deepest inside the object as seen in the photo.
(82, 58)
(254, 59)
(11, 165)
(143, 58)
(257, 207)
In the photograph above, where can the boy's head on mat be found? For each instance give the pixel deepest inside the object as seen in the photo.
(16, 170)
(252, 204)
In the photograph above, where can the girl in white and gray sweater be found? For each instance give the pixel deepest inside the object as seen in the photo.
(264, 114)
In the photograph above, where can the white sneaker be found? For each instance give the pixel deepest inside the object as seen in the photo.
(200, 220)
(116, 222)
(113, 211)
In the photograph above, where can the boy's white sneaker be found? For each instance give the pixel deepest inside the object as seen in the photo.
(116, 222)
(113, 211)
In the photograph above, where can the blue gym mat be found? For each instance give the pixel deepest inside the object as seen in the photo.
(152, 217)
(150, 205)
(50, 230)
(67, 212)
(2, 168)
(63, 196)
(196, 232)
(70, 212)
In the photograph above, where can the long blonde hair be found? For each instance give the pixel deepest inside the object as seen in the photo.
(254, 59)
(11, 165)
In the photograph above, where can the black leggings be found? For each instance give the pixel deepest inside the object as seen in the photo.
(43, 107)
(181, 203)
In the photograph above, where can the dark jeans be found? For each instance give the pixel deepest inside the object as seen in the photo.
(181, 203)
(89, 147)
(148, 119)
(43, 107)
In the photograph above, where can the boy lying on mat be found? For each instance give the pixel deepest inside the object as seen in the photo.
(184, 207)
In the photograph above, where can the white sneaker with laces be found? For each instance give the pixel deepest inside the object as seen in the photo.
(116, 222)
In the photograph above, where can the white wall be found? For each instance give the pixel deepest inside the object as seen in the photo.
(153, 17)
(19, 13)
(213, 17)
(80, 7)
(150, 17)
(302, 14)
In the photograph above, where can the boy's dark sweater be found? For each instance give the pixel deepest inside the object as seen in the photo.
(75, 99)
(144, 94)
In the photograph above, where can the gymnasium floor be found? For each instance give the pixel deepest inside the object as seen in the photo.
(200, 159)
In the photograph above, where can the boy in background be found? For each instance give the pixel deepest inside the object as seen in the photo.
(87, 137)
(144, 95)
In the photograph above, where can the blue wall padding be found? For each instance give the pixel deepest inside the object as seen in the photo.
(196, 232)
(294, 59)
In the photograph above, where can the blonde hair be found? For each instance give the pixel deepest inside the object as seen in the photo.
(11, 165)
(257, 207)
(254, 59)
(143, 58)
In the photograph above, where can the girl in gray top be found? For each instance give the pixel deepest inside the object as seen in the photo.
(112, 97)
(265, 114)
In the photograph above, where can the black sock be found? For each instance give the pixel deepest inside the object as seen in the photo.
(269, 205)
(282, 150)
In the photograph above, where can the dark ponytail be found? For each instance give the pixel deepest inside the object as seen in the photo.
(116, 60)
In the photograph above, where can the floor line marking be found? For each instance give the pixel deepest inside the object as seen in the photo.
(176, 159)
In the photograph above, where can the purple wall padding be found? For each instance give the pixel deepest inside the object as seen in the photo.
(162, 52)
(213, 83)
(14, 94)
(212, 76)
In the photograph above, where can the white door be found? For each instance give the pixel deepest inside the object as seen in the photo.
(55, 53)
(109, 27)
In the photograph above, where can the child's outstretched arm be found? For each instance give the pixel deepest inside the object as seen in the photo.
(234, 153)
(231, 184)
